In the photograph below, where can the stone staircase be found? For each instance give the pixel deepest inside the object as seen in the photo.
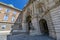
(28, 37)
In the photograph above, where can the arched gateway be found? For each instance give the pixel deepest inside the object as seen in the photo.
(29, 24)
(44, 27)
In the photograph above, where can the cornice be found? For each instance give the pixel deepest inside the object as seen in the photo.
(30, 2)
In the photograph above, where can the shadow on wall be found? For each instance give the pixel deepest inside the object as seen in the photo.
(17, 25)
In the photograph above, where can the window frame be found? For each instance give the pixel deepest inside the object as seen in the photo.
(7, 10)
(5, 17)
(15, 12)
(13, 18)
(3, 26)
(0, 8)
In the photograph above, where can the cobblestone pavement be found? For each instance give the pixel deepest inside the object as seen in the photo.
(26, 37)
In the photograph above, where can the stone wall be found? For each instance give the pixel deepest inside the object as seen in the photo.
(55, 14)
(50, 25)
(7, 28)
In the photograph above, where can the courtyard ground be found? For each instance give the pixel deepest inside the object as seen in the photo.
(26, 37)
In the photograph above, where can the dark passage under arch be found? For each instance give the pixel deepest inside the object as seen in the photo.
(44, 27)
(29, 23)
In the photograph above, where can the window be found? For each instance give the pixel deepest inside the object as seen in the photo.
(28, 9)
(5, 17)
(14, 12)
(13, 19)
(7, 10)
(3, 26)
(0, 8)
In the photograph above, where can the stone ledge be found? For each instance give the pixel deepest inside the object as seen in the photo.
(5, 32)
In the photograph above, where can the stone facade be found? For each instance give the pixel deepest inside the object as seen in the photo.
(39, 17)
(40, 10)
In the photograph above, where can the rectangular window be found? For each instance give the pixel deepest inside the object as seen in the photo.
(13, 19)
(3, 26)
(7, 10)
(28, 10)
(5, 17)
(14, 12)
(0, 8)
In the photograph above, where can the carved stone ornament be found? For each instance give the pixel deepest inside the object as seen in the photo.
(39, 5)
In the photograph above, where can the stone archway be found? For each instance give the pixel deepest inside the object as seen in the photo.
(29, 23)
(44, 27)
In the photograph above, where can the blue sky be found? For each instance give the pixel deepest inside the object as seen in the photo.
(17, 3)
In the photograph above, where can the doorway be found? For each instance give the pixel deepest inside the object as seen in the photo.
(29, 24)
(44, 27)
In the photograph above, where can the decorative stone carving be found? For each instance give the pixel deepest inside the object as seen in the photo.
(39, 5)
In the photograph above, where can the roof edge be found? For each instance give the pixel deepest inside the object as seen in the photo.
(10, 6)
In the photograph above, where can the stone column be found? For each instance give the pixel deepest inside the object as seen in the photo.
(36, 26)
(35, 21)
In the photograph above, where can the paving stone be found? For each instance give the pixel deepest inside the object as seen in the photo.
(26, 37)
